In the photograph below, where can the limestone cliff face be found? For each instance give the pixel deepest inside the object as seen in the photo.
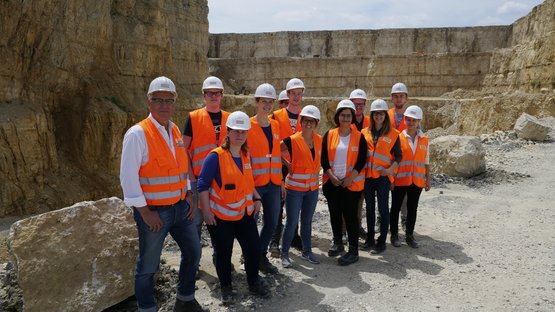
(73, 78)
(528, 63)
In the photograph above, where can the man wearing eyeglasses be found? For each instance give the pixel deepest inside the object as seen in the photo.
(203, 132)
(154, 178)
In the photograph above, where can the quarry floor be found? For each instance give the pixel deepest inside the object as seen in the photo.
(486, 244)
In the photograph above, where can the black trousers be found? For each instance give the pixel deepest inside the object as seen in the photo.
(413, 196)
(343, 204)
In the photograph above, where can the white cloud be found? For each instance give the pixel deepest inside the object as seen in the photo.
(511, 7)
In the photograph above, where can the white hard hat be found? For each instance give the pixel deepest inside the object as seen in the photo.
(294, 83)
(161, 84)
(265, 90)
(399, 87)
(238, 121)
(212, 83)
(283, 95)
(358, 94)
(413, 111)
(345, 104)
(311, 111)
(378, 105)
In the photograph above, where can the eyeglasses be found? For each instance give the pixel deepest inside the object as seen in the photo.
(211, 93)
(163, 101)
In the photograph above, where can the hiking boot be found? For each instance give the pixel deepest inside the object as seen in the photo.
(274, 249)
(286, 262)
(260, 289)
(395, 240)
(310, 257)
(411, 242)
(378, 248)
(186, 306)
(265, 266)
(335, 250)
(227, 295)
(348, 258)
(368, 244)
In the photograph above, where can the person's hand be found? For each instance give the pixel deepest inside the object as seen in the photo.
(334, 180)
(257, 206)
(428, 185)
(386, 172)
(151, 218)
(348, 181)
(208, 217)
(283, 192)
(391, 186)
(192, 209)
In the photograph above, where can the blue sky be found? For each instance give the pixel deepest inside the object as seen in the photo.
(250, 16)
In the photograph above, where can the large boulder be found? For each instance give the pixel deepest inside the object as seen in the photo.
(457, 156)
(528, 127)
(79, 258)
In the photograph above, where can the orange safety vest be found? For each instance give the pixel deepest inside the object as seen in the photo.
(365, 123)
(412, 168)
(285, 129)
(164, 177)
(402, 126)
(266, 164)
(379, 157)
(229, 201)
(352, 154)
(305, 171)
(204, 137)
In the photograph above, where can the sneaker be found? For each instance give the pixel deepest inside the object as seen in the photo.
(395, 240)
(348, 258)
(286, 262)
(310, 257)
(368, 244)
(260, 289)
(265, 266)
(378, 249)
(186, 306)
(227, 295)
(411, 242)
(335, 250)
(362, 233)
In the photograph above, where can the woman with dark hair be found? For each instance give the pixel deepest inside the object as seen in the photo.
(229, 203)
(383, 157)
(343, 161)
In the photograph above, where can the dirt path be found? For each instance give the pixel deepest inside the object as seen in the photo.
(485, 248)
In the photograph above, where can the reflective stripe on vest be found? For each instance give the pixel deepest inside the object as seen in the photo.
(305, 170)
(412, 168)
(163, 177)
(379, 157)
(231, 204)
(204, 137)
(352, 156)
(266, 164)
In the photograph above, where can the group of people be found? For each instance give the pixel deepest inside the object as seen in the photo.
(225, 168)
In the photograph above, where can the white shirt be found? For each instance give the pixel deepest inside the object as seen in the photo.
(413, 143)
(133, 156)
(340, 162)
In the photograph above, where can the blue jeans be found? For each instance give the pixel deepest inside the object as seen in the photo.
(271, 197)
(151, 243)
(303, 204)
(377, 188)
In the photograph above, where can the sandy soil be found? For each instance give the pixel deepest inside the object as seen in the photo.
(487, 244)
